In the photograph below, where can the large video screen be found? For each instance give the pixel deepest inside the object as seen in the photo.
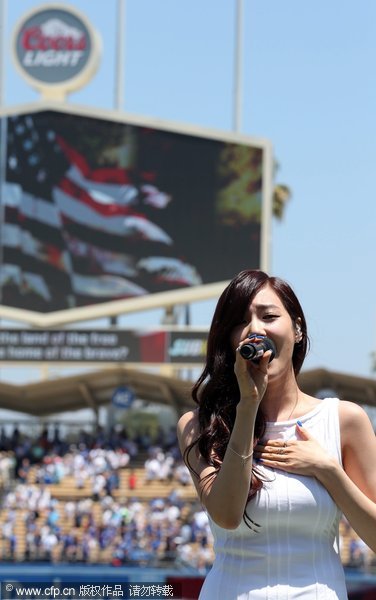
(95, 210)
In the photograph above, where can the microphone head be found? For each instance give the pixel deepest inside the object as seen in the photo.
(255, 349)
(249, 350)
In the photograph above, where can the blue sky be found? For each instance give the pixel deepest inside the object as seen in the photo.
(309, 87)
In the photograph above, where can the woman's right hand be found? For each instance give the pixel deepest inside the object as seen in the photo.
(252, 378)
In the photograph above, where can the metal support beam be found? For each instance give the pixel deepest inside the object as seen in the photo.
(89, 399)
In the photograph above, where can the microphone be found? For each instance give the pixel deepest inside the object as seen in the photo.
(255, 350)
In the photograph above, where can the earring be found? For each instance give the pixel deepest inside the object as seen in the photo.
(298, 334)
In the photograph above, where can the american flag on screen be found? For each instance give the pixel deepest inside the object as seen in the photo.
(74, 234)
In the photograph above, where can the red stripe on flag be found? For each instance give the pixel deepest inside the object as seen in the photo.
(107, 210)
(99, 175)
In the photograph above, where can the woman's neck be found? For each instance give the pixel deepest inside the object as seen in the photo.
(282, 399)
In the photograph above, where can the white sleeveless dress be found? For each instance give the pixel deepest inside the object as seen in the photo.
(291, 550)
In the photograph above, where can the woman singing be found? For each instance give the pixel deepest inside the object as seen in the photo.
(273, 467)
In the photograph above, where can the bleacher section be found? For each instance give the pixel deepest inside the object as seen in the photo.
(67, 489)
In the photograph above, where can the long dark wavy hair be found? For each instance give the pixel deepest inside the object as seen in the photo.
(216, 391)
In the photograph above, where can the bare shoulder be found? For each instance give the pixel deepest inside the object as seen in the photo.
(354, 420)
(187, 428)
(350, 411)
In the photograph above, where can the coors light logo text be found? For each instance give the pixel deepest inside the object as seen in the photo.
(56, 49)
(54, 43)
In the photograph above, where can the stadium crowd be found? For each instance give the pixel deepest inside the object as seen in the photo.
(108, 522)
(109, 518)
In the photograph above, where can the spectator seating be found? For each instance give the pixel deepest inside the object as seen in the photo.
(94, 503)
